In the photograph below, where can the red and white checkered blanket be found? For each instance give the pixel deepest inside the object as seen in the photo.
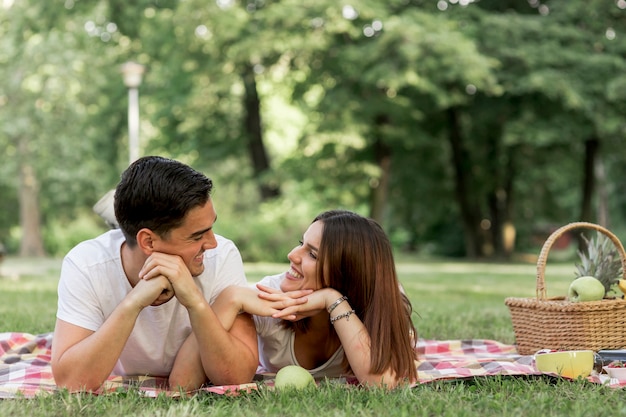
(25, 371)
(25, 366)
(454, 359)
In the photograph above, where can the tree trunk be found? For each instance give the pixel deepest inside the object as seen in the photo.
(382, 156)
(460, 164)
(592, 146)
(508, 228)
(603, 196)
(254, 132)
(380, 192)
(502, 232)
(32, 240)
(493, 236)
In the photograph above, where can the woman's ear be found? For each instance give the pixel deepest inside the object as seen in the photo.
(145, 240)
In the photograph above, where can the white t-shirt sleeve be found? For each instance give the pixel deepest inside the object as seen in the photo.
(225, 267)
(264, 325)
(77, 301)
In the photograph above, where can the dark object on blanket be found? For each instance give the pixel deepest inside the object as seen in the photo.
(608, 356)
(559, 324)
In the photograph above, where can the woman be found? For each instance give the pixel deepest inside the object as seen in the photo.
(338, 310)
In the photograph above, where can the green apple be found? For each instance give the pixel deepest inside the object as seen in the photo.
(293, 376)
(585, 288)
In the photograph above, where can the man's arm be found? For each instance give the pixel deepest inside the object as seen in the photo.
(229, 307)
(82, 359)
(231, 358)
(227, 357)
(214, 354)
(188, 371)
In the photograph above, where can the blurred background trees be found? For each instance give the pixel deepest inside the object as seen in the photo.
(466, 128)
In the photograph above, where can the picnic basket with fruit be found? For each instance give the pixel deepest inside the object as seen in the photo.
(591, 316)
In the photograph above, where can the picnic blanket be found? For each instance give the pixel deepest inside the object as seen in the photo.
(454, 359)
(25, 370)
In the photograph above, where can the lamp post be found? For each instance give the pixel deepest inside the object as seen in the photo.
(132, 73)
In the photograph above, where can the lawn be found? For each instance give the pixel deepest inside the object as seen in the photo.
(452, 300)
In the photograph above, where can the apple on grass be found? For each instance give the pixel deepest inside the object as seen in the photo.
(293, 376)
(585, 288)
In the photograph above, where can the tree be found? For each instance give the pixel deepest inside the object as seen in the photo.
(47, 95)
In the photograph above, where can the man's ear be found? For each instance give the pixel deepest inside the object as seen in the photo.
(145, 240)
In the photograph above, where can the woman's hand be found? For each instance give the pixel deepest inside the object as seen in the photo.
(307, 306)
(273, 301)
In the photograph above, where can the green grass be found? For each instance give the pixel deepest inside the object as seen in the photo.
(452, 300)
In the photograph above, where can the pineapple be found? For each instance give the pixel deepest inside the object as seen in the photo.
(601, 260)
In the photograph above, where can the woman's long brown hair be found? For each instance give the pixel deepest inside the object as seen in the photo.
(355, 258)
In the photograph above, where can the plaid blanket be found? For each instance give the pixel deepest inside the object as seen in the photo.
(25, 367)
(454, 359)
(25, 372)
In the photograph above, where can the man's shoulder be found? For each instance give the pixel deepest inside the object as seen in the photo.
(113, 237)
(221, 240)
(223, 248)
(106, 245)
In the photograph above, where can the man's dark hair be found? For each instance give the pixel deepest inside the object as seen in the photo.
(157, 193)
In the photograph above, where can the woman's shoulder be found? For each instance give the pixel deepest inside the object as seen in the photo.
(272, 281)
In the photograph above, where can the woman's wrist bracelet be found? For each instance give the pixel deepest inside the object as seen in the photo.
(336, 303)
(347, 315)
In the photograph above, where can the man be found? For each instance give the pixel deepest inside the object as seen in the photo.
(136, 300)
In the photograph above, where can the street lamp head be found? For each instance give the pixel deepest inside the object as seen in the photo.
(132, 73)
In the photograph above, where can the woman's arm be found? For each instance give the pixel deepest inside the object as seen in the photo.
(234, 300)
(230, 303)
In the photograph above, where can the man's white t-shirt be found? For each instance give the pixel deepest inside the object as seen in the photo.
(93, 284)
(276, 344)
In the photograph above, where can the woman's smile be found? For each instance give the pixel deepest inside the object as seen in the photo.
(293, 274)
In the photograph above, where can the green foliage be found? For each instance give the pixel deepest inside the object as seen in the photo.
(61, 235)
(8, 214)
(28, 297)
(267, 232)
(530, 83)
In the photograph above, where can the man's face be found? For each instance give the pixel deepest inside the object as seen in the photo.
(192, 238)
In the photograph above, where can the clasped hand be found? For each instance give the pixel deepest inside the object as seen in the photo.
(295, 305)
(164, 276)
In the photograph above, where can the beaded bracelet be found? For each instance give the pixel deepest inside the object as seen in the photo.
(347, 315)
(336, 303)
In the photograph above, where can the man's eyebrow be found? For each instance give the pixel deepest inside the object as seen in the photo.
(203, 231)
(200, 232)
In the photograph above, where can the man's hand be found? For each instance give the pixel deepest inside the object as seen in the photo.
(153, 292)
(176, 272)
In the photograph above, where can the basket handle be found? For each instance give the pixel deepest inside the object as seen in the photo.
(543, 255)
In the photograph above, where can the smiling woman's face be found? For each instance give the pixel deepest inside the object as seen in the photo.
(302, 273)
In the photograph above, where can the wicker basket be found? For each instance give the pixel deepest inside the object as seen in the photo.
(555, 323)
